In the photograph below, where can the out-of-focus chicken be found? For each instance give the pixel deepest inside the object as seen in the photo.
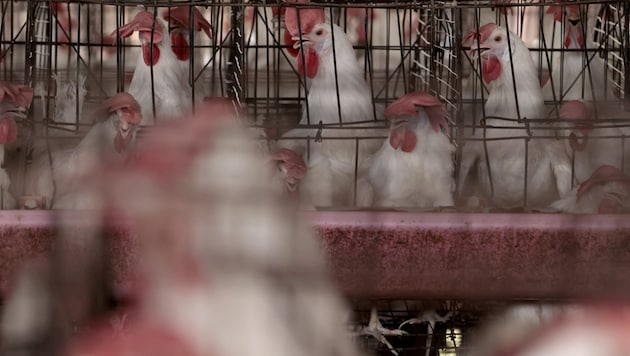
(607, 191)
(599, 330)
(208, 273)
(340, 102)
(508, 69)
(414, 168)
(14, 101)
(158, 82)
(182, 28)
(499, 334)
(58, 295)
(62, 174)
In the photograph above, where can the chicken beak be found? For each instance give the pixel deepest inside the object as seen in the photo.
(305, 41)
(124, 128)
(485, 51)
(398, 122)
(291, 184)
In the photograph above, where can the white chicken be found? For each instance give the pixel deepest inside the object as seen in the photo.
(181, 30)
(191, 184)
(414, 168)
(14, 101)
(607, 191)
(158, 82)
(592, 143)
(339, 101)
(577, 74)
(60, 181)
(506, 179)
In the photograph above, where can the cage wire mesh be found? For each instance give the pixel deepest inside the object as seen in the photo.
(69, 53)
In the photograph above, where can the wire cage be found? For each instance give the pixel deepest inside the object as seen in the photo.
(68, 52)
(71, 54)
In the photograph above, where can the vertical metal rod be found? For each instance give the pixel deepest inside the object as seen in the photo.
(626, 34)
(234, 80)
(334, 51)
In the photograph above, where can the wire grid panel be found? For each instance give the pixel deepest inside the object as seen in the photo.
(68, 52)
(574, 61)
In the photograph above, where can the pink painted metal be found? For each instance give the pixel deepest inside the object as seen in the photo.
(414, 255)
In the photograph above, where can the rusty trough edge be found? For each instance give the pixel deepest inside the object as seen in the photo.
(413, 255)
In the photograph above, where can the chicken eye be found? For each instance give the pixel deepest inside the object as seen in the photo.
(498, 38)
(319, 32)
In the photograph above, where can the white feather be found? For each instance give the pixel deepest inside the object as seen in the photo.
(422, 178)
(330, 176)
(548, 166)
(69, 168)
(169, 89)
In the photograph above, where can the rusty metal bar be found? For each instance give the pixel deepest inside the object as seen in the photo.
(412, 255)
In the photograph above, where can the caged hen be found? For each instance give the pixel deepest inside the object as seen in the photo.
(414, 168)
(182, 28)
(58, 178)
(15, 99)
(593, 143)
(159, 83)
(578, 74)
(340, 103)
(508, 69)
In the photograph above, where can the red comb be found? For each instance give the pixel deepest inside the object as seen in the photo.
(17, 94)
(123, 101)
(603, 174)
(142, 22)
(482, 34)
(181, 16)
(308, 19)
(295, 165)
(406, 105)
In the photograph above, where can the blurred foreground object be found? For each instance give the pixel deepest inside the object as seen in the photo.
(222, 253)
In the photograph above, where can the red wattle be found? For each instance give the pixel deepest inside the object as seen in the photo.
(311, 61)
(580, 39)
(121, 144)
(403, 139)
(8, 130)
(146, 54)
(290, 42)
(180, 46)
(576, 143)
(490, 69)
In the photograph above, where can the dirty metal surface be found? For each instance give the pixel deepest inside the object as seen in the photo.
(412, 255)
